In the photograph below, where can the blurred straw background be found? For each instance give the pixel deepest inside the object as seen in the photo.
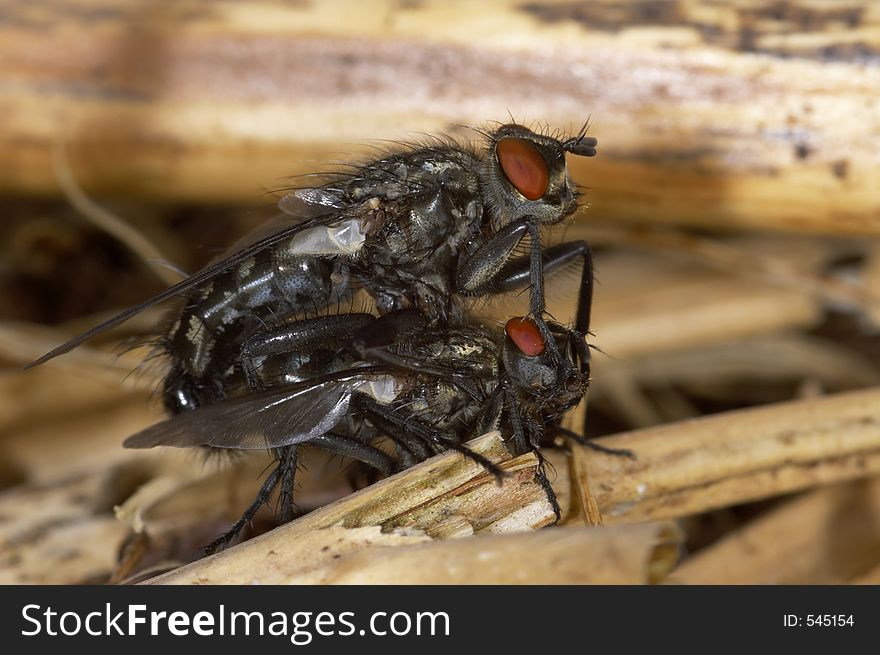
(734, 210)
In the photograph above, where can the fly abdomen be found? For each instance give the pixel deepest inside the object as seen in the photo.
(205, 343)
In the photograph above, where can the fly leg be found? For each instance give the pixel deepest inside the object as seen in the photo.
(488, 419)
(405, 428)
(262, 498)
(517, 275)
(353, 449)
(483, 272)
(523, 444)
(411, 448)
(492, 268)
(287, 462)
(284, 474)
(588, 443)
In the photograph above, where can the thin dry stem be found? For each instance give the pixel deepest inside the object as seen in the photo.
(828, 536)
(694, 466)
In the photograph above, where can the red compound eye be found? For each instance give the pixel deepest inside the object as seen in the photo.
(525, 334)
(524, 167)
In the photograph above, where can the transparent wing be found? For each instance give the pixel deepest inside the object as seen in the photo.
(270, 419)
(261, 238)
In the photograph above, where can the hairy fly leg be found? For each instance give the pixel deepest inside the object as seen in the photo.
(411, 448)
(589, 443)
(481, 272)
(352, 448)
(493, 269)
(401, 427)
(288, 459)
(283, 476)
(523, 443)
(517, 274)
(262, 498)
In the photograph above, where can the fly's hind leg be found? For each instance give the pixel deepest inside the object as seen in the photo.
(592, 445)
(283, 477)
(406, 429)
(262, 498)
(288, 459)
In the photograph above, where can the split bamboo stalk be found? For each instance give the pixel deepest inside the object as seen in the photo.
(630, 554)
(828, 536)
(743, 114)
(423, 499)
(693, 466)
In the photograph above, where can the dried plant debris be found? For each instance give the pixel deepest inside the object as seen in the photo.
(741, 368)
(76, 507)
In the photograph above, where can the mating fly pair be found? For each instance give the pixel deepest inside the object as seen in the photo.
(424, 231)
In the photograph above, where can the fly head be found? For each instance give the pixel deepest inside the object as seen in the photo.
(524, 174)
(539, 382)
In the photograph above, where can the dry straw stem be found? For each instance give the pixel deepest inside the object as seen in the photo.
(693, 466)
(446, 497)
(710, 114)
(646, 305)
(106, 220)
(794, 262)
(58, 533)
(828, 536)
(63, 444)
(872, 577)
(718, 371)
(631, 554)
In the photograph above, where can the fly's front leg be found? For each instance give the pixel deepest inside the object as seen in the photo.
(587, 443)
(493, 269)
(518, 273)
(536, 308)
(483, 272)
(479, 272)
